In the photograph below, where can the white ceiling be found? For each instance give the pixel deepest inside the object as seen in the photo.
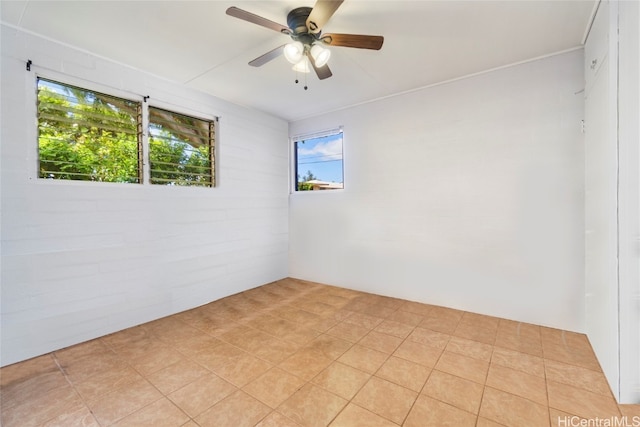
(197, 44)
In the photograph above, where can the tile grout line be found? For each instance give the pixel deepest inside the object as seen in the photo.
(75, 390)
(350, 401)
(484, 386)
(430, 373)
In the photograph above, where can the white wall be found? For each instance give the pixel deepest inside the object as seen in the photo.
(629, 137)
(612, 203)
(468, 194)
(601, 195)
(80, 260)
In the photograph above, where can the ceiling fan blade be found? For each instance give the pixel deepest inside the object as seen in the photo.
(272, 54)
(255, 19)
(322, 72)
(353, 40)
(320, 14)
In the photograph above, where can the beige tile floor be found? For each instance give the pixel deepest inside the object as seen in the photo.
(294, 353)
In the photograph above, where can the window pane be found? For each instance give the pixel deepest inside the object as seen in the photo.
(87, 136)
(180, 149)
(319, 163)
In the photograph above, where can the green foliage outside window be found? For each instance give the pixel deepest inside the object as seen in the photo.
(303, 184)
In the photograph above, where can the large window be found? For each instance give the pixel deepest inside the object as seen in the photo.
(180, 149)
(318, 161)
(91, 136)
(87, 136)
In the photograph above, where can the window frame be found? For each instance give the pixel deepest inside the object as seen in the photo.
(213, 155)
(294, 158)
(33, 155)
(32, 133)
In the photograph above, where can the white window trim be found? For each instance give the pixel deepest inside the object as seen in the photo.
(318, 134)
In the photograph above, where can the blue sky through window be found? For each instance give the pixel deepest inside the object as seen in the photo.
(322, 157)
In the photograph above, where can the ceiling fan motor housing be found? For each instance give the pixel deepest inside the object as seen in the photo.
(297, 20)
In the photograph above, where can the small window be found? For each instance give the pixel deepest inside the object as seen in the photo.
(318, 162)
(87, 136)
(181, 149)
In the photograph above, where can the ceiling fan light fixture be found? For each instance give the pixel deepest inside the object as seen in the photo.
(320, 55)
(302, 66)
(294, 52)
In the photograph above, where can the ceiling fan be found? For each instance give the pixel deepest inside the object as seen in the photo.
(305, 29)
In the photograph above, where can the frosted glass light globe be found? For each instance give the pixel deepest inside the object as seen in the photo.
(320, 55)
(294, 52)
